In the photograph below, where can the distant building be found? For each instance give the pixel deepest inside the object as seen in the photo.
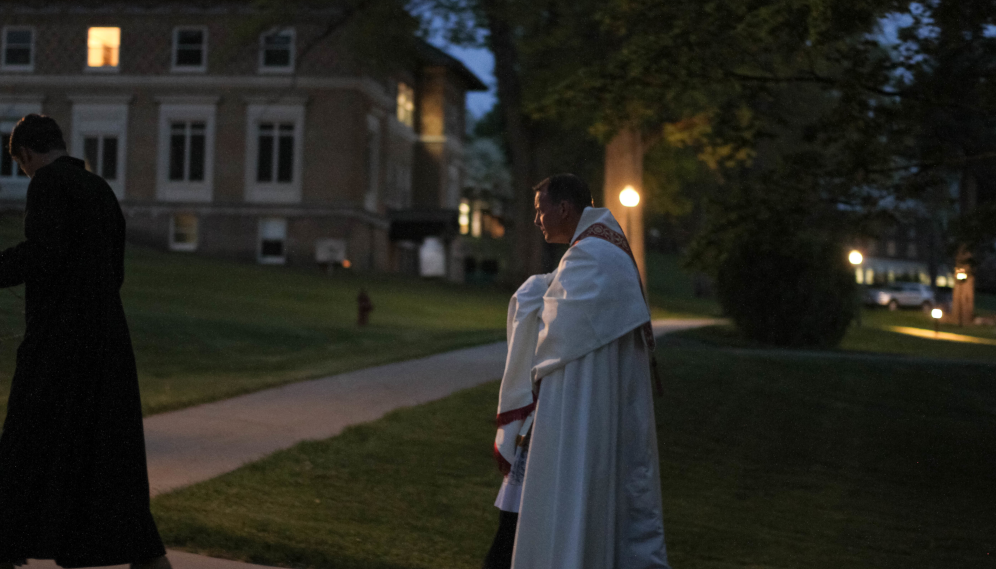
(903, 252)
(277, 147)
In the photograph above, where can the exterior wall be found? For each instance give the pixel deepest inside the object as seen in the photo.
(339, 100)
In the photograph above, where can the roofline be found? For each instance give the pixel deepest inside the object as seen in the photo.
(429, 53)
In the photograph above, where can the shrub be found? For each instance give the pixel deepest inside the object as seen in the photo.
(788, 292)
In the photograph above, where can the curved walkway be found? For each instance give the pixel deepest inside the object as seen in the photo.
(195, 444)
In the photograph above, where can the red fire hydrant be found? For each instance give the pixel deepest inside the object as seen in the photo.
(364, 308)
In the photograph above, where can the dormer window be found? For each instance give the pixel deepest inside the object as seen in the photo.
(18, 49)
(406, 105)
(276, 51)
(190, 49)
(103, 45)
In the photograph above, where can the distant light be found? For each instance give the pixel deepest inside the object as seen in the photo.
(346, 264)
(629, 197)
(855, 257)
(961, 275)
(936, 313)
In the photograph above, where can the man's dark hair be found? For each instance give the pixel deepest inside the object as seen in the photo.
(38, 133)
(567, 188)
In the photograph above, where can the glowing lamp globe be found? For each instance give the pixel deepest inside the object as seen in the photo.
(855, 257)
(629, 197)
(936, 313)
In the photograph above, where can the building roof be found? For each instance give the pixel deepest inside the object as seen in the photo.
(432, 55)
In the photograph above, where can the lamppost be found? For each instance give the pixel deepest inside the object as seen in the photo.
(629, 198)
(937, 314)
(856, 258)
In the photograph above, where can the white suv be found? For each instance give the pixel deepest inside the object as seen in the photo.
(899, 295)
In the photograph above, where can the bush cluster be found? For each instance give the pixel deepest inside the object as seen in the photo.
(791, 292)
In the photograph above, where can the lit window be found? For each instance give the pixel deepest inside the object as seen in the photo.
(9, 169)
(942, 280)
(103, 45)
(859, 275)
(18, 49)
(276, 51)
(189, 49)
(272, 234)
(275, 153)
(101, 156)
(406, 105)
(183, 232)
(464, 217)
(475, 221)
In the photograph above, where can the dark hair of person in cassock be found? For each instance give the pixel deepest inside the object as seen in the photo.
(567, 188)
(73, 479)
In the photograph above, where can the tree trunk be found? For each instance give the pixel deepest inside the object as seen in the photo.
(963, 296)
(527, 240)
(624, 167)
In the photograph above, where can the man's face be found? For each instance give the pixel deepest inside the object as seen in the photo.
(553, 219)
(26, 160)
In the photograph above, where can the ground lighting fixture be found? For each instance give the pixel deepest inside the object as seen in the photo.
(936, 314)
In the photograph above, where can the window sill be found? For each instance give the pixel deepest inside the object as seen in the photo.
(191, 69)
(17, 68)
(272, 260)
(105, 69)
(276, 70)
(183, 247)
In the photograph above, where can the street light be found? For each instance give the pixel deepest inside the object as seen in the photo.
(856, 259)
(629, 197)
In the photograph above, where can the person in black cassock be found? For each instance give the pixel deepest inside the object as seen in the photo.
(74, 485)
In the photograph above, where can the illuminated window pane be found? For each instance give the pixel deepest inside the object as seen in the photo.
(464, 217)
(103, 45)
(406, 104)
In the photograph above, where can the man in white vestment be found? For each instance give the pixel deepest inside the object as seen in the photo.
(576, 438)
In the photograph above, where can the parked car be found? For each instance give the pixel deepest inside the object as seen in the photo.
(902, 295)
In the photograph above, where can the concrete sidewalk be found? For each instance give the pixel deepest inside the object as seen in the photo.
(195, 444)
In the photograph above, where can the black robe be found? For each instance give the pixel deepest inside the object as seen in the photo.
(74, 485)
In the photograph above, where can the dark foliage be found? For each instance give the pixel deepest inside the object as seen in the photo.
(788, 291)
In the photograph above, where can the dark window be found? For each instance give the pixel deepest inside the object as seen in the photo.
(8, 168)
(101, 156)
(17, 47)
(275, 155)
(197, 149)
(110, 159)
(177, 150)
(285, 161)
(189, 48)
(272, 248)
(264, 160)
(277, 49)
(187, 148)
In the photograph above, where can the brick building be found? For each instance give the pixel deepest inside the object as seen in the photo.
(224, 137)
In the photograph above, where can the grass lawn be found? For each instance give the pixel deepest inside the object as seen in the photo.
(766, 462)
(671, 292)
(205, 329)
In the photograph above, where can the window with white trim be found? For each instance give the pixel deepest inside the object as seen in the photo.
(183, 232)
(272, 240)
(100, 132)
(186, 152)
(190, 48)
(276, 51)
(274, 152)
(100, 152)
(18, 49)
(13, 182)
(103, 48)
(9, 170)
